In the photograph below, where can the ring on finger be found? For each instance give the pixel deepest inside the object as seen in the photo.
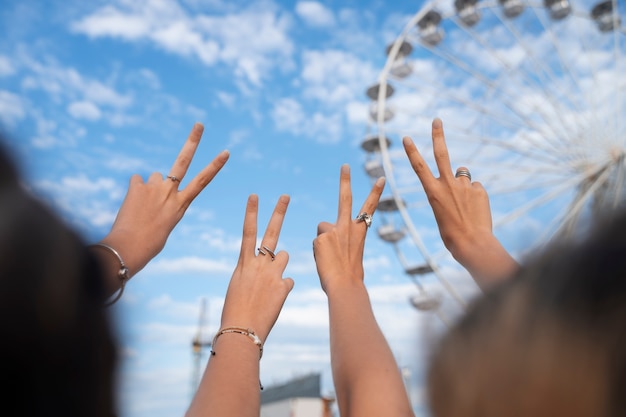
(270, 252)
(463, 173)
(174, 178)
(364, 217)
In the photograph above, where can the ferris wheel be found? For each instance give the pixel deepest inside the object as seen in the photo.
(532, 95)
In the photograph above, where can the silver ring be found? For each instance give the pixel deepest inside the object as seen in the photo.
(173, 178)
(364, 217)
(269, 251)
(463, 173)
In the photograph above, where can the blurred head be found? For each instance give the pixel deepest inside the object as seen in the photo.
(58, 351)
(549, 342)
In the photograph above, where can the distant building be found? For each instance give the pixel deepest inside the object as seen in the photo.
(300, 397)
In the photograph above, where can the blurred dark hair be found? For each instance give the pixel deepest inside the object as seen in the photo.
(58, 350)
(549, 342)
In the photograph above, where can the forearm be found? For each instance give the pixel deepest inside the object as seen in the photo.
(366, 377)
(230, 384)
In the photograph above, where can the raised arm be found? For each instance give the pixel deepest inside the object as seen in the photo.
(366, 377)
(151, 210)
(255, 296)
(462, 211)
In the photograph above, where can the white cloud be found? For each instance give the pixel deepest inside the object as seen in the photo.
(226, 99)
(150, 78)
(237, 137)
(335, 76)
(190, 264)
(62, 82)
(11, 108)
(334, 81)
(253, 41)
(380, 262)
(315, 14)
(46, 129)
(85, 200)
(289, 116)
(6, 67)
(82, 184)
(84, 110)
(218, 239)
(356, 113)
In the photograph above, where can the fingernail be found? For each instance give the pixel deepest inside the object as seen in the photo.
(380, 181)
(407, 141)
(345, 169)
(437, 123)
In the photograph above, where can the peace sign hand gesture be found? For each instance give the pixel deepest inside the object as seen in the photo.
(151, 209)
(461, 209)
(257, 289)
(338, 248)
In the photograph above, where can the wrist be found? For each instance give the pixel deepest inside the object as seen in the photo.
(485, 259)
(135, 252)
(342, 288)
(469, 250)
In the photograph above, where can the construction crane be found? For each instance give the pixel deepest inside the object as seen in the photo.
(198, 343)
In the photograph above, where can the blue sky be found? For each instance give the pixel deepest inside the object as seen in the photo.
(92, 92)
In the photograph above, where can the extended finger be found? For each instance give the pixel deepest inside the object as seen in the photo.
(417, 162)
(371, 202)
(345, 196)
(200, 181)
(440, 150)
(183, 160)
(270, 238)
(248, 240)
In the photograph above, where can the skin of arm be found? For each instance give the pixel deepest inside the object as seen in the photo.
(151, 210)
(461, 209)
(254, 299)
(365, 374)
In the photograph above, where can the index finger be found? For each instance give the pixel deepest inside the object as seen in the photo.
(248, 240)
(345, 195)
(440, 150)
(371, 202)
(418, 163)
(204, 177)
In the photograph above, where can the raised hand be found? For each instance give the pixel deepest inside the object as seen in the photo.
(461, 209)
(338, 247)
(257, 289)
(151, 209)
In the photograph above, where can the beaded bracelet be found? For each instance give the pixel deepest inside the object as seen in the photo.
(123, 273)
(240, 330)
